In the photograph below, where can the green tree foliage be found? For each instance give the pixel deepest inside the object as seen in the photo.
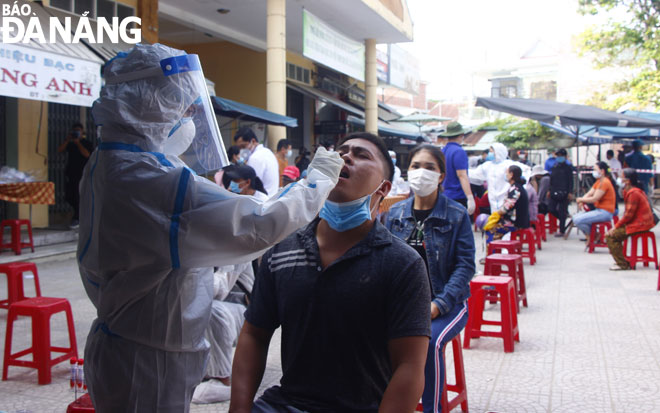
(630, 38)
(521, 134)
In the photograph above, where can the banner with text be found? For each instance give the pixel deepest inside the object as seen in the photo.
(327, 46)
(404, 69)
(39, 75)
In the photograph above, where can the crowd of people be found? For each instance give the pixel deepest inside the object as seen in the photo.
(182, 268)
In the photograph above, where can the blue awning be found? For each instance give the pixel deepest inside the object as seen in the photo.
(232, 109)
(388, 130)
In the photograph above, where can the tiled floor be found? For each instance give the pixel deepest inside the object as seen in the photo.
(590, 342)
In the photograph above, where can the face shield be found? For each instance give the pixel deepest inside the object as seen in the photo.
(195, 138)
(182, 98)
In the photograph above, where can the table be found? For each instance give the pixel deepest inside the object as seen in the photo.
(28, 193)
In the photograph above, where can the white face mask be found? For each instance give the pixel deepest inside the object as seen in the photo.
(423, 182)
(180, 137)
(289, 153)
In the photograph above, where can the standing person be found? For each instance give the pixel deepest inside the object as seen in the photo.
(283, 152)
(78, 150)
(352, 301)
(457, 184)
(638, 161)
(615, 165)
(151, 230)
(302, 161)
(637, 218)
(234, 155)
(494, 173)
(561, 191)
(550, 162)
(439, 230)
(602, 195)
(260, 158)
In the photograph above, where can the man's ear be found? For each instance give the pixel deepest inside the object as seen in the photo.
(384, 189)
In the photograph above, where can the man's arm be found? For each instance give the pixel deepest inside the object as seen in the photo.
(408, 356)
(62, 146)
(81, 148)
(465, 185)
(248, 366)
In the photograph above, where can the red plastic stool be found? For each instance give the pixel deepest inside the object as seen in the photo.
(40, 309)
(534, 225)
(82, 404)
(598, 230)
(551, 223)
(479, 286)
(512, 247)
(16, 243)
(526, 237)
(633, 258)
(514, 269)
(460, 388)
(540, 228)
(14, 272)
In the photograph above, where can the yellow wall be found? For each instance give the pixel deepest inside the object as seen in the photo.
(239, 73)
(28, 160)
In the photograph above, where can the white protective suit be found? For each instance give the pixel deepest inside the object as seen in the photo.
(494, 174)
(150, 232)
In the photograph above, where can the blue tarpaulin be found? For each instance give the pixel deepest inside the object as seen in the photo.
(232, 109)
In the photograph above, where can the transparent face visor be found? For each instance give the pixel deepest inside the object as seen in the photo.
(206, 152)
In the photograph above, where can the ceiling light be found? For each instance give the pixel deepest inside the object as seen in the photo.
(223, 11)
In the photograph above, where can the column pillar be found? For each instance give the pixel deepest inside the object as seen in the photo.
(276, 66)
(371, 87)
(147, 10)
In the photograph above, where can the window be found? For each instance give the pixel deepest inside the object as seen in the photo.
(298, 73)
(95, 8)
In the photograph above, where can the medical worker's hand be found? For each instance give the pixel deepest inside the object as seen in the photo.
(328, 163)
(471, 206)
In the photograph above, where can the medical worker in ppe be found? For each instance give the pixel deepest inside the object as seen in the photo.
(493, 172)
(152, 229)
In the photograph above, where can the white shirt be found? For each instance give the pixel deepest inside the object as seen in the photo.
(264, 163)
(615, 165)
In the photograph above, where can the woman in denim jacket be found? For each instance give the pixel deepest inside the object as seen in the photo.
(439, 229)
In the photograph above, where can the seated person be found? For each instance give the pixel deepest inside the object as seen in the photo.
(231, 284)
(289, 175)
(602, 196)
(447, 246)
(514, 214)
(637, 218)
(242, 179)
(352, 301)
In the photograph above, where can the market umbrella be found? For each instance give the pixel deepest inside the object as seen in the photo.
(419, 119)
(567, 113)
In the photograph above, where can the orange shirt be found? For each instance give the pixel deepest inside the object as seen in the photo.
(283, 163)
(608, 200)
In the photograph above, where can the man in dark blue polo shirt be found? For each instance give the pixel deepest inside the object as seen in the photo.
(639, 161)
(457, 185)
(352, 301)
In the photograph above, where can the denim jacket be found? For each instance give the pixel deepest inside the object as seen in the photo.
(449, 247)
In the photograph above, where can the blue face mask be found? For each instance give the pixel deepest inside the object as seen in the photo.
(393, 161)
(342, 216)
(561, 159)
(490, 157)
(233, 187)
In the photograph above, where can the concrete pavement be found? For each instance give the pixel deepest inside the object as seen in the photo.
(590, 341)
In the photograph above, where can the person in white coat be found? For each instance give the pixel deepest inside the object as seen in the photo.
(152, 229)
(493, 172)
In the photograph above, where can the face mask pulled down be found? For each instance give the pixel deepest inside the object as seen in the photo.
(342, 216)
(423, 181)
